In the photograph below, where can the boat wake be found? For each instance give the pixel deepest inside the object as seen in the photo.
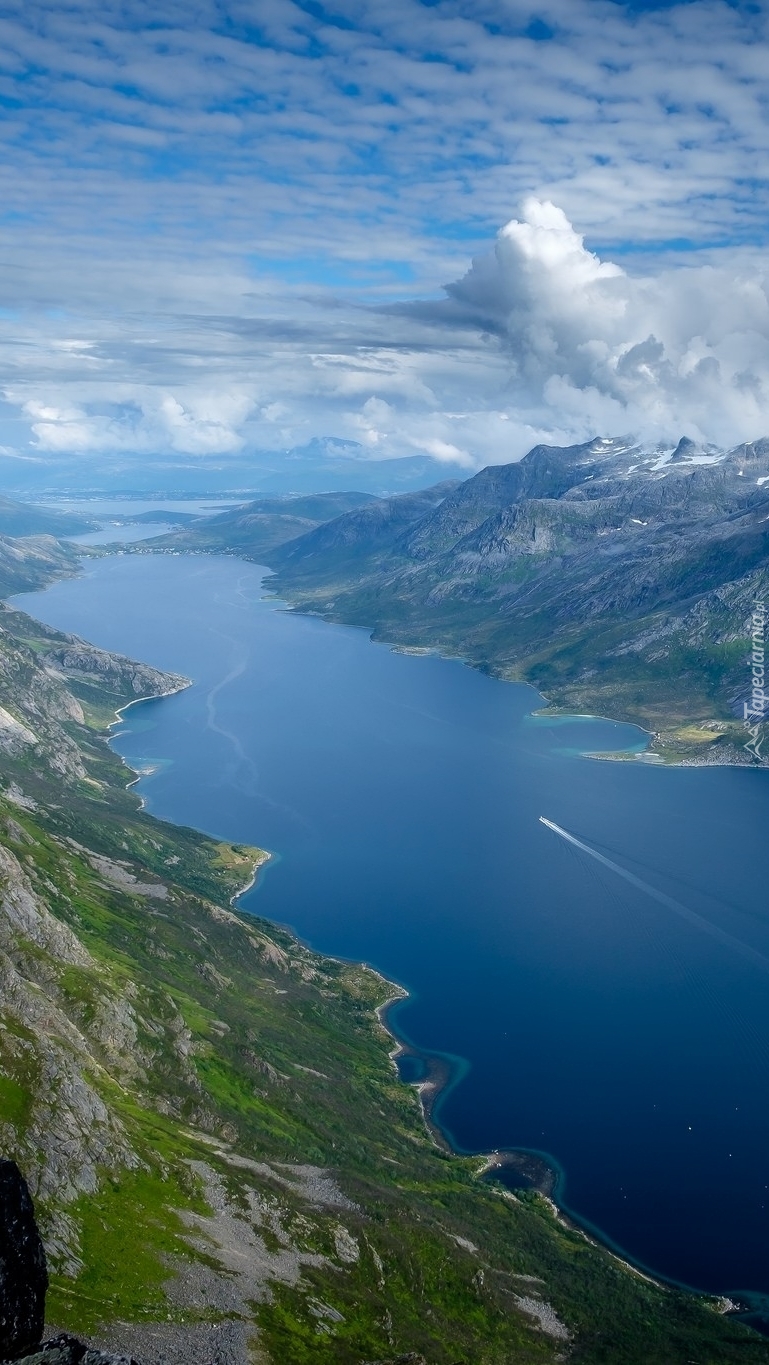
(704, 925)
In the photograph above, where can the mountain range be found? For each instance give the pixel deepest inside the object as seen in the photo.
(615, 577)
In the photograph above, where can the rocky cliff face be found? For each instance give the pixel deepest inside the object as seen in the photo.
(52, 1051)
(583, 503)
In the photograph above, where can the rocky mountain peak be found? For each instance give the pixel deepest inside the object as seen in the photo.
(685, 449)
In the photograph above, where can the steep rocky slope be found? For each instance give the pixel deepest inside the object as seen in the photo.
(224, 1163)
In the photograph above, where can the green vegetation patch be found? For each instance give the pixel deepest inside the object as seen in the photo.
(131, 1236)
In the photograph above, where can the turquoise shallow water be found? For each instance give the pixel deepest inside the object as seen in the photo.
(401, 796)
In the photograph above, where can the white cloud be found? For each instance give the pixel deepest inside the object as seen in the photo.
(144, 421)
(540, 339)
(175, 120)
(209, 425)
(686, 349)
(198, 223)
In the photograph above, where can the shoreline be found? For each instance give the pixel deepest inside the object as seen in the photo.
(533, 1166)
(264, 857)
(650, 755)
(439, 1070)
(151, 696)
(138, 773)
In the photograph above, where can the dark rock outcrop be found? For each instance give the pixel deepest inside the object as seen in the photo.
(23, 1286)
(23, 1272)
(65, 1350)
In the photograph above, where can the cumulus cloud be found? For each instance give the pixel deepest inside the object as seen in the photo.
(686, 349)
(209, 425)
(145, 422)
(540, 339)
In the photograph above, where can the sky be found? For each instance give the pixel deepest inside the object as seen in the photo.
(443, 227)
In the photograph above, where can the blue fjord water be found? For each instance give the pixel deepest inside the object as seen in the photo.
(400, 797)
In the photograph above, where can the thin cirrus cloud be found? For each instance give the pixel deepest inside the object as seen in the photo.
(226, 226)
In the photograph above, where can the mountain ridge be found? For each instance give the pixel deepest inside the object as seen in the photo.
(556, 570)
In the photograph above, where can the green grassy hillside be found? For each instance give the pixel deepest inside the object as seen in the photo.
(224, 1162)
